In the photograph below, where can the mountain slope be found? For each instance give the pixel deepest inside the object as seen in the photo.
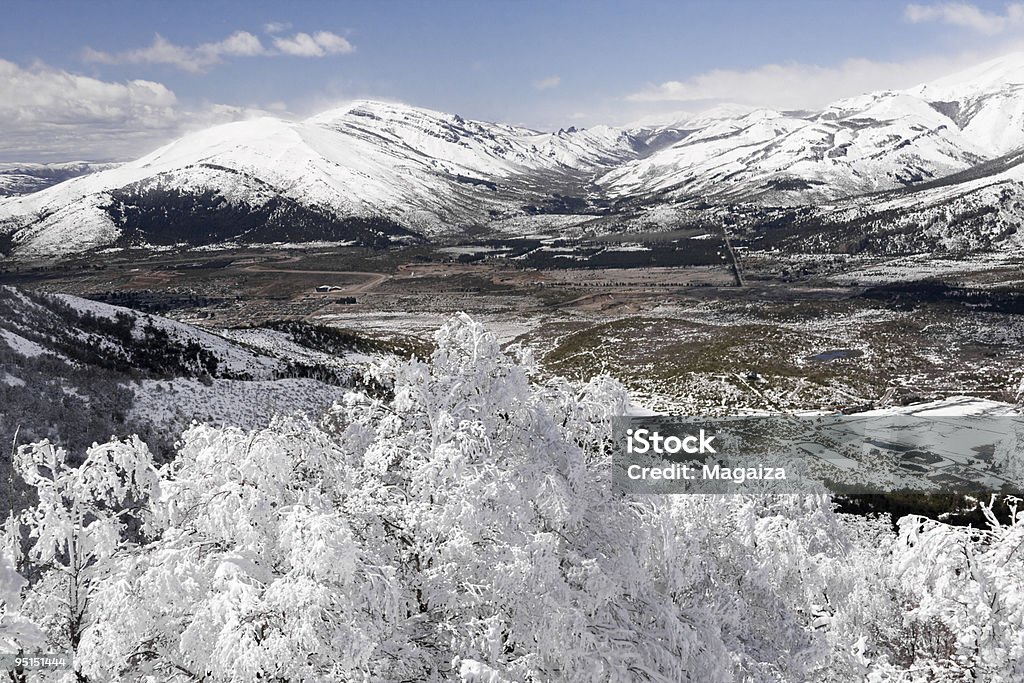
(874, 142)
(365, 173)
(374, 173)
(76, 371)
(979, 209)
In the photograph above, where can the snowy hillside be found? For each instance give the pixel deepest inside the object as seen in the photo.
(74, 371)
(879, 141)
(779, 158)
(367, 172)
(374, 173)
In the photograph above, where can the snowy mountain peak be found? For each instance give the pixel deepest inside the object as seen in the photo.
(988, 77)
(367, 172)
(873, 142)
(375, 110)
(681, 120)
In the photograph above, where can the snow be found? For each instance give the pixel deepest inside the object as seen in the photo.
(24, 178)
(20, 345)
(278, 344)
(341, 531)
(433, 171)
(975, 80)
(951, 406)
(232, 357)
(171, 405)
(423, 325)
(854, 146)
(12, 381)
(921, 266)
(683, 120)
(368, 159)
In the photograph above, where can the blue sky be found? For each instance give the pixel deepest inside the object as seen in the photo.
(93, 80)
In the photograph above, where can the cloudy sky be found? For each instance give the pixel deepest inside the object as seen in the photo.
(111, 80)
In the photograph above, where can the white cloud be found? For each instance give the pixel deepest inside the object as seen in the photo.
(547, 83)
(194, 59)
(320, 44)
(50, 114)
(967, 16)
(238, 44)
(799, 86)
(276, 27)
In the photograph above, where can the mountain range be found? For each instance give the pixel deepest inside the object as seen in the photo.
(18, 179)
(933, 167)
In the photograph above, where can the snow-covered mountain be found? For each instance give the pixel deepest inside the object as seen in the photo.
(18, 179)
(375, 172)
(366, 172)
(855, 146)
(874, 142)
(979, 209)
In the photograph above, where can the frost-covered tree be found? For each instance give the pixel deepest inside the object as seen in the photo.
(17, 632)
(257, 574)
(524, 562)
(931, 603)
(1008, 455)
(466, 527)
(84, 516)
(972, 582)
(527, 565)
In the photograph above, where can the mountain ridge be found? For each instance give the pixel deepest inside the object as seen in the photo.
(376, 172)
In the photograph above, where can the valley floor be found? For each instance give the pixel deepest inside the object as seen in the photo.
(803, 332)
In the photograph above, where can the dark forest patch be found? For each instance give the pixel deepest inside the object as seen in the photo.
(165, 217)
